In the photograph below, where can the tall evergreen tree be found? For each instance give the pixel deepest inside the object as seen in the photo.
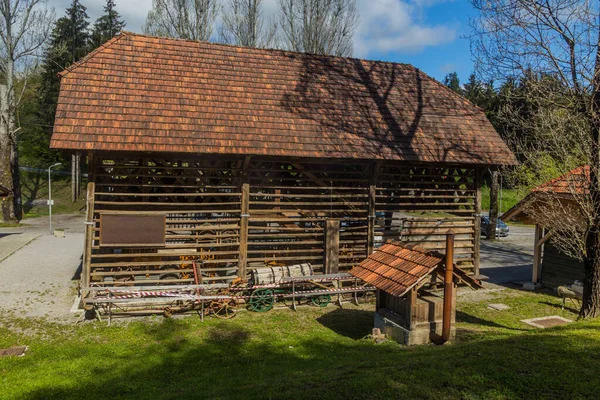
(451, 80)
(108, 25)
(69, 43)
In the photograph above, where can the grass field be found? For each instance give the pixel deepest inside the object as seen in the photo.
(34, 187)
(510, 197)
(310, 354)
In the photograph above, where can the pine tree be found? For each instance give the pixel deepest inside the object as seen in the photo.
(69, 43)
(107, 26)
(451, 80)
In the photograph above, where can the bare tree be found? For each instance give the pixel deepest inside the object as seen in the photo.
(185, 19)
(243, 24)
(318, 26)
(557, 43)
(24, 28)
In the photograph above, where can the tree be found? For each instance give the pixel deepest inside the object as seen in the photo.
(318, 26)
(451, 80)
(185, 19)
(108, 25)
(243, 24)
(554, 46)
(24, 26)
(69, 42)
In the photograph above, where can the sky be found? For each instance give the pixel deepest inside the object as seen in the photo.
(429, 34)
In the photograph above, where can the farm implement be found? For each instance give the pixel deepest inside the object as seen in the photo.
(266, 287)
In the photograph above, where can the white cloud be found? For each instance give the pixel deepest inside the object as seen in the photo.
(385, 26)
(395, 26)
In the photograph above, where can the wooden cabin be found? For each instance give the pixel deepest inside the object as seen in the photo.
(552, 267)
(409, 307)
(229, 158)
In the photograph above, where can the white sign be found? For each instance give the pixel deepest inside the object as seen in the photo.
(50, 202)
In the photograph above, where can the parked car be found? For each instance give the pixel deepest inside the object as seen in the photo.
(501, 228)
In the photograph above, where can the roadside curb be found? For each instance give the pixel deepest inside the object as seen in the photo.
(4, 257)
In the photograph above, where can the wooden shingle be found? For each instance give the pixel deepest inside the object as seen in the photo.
(140, 93)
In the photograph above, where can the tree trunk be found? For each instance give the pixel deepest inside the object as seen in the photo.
(6, 148)
(16, 179)
(491, 231)
(591, 282)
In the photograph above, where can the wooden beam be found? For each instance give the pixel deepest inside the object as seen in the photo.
(537, 254)
(375, 167)
(332, 246)
(89, 238)
(477, 228)
(244, 216)
(544, 239)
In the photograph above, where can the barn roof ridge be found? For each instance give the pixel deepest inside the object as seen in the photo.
(145, 93)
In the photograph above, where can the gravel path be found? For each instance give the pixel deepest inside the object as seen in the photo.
(40, 279)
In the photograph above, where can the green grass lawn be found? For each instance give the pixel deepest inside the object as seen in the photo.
(34, 186)
(310, 354)
(510, 197)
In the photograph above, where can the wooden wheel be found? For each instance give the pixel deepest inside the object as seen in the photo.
(321, 300)
(223, 309)
(262, 300)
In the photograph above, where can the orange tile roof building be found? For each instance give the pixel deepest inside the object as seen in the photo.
(248, 152)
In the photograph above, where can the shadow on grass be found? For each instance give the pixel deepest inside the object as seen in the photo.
(560, 307)
(471, 319)
(352, 323)
(243, 359)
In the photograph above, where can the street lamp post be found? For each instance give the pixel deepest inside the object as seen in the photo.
(50, 201)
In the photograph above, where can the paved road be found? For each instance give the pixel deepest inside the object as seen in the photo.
(39, 279)
(509, 259)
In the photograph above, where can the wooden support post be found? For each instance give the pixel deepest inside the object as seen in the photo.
(89, 238)
(244, 217)
(491, 232)
(91, 166)
(411, 307)
(78, 176)
(537, 254)
(477, 229)
(332, 246)
(372, 200)
(73, 177)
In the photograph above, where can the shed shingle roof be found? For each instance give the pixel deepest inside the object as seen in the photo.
(140, 93)
(396, 267)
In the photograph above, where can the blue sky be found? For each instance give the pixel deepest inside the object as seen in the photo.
(426, 33)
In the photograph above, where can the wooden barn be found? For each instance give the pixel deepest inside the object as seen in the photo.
(551, 267)
(232, 158)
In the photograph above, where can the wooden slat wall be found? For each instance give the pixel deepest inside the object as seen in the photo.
(558, 268)
(418, 204)
(288, 205)
(201, 200)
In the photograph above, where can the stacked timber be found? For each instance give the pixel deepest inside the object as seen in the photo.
(268, 275)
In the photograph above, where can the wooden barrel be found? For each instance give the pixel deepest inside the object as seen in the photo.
(267, 275)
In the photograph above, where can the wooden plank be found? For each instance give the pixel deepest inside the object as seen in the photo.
(537, 254)
(477, 228)
(87, 250)
(375, 167)
(244, 218)
(332, 246)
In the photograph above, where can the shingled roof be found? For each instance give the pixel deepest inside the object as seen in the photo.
(140, 93)
(396, 267)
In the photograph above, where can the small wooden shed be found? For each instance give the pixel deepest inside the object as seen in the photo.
(409, 308)
(235, 158)
(551, 267)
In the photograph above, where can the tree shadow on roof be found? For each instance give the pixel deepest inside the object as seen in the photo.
(380, 108)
